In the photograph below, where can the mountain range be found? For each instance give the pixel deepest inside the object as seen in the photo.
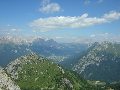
(58, 52)
(100, 62)
(64, 63)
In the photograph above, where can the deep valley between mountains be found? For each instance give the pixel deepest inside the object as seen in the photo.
(49, 65)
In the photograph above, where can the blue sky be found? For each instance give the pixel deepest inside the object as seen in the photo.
(62, 20)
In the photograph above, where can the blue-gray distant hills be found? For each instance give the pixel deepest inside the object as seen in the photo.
(11, 49)
(99, 61)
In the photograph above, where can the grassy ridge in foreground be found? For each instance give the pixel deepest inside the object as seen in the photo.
(36, 73)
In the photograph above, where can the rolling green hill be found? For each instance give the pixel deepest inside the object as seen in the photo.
(37, 73)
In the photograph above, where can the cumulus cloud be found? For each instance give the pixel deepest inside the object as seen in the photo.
(49, 7)
(62, 22)
(112, 16)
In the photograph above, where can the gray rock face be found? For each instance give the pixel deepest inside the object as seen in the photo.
(16, 66)
(68, 83)
(101, 62)
(6, 83)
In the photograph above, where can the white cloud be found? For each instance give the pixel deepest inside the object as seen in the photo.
(99, 37)
(48, 7)
(62, 22)
(105, 37)
(112, 16)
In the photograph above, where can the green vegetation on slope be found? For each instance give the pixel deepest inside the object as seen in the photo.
(37, 73)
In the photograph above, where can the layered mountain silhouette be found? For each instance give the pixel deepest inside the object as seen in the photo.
(57, 52)
(100, 62)
(47, 64)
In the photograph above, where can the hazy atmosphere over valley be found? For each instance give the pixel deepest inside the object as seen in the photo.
(59, 45)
